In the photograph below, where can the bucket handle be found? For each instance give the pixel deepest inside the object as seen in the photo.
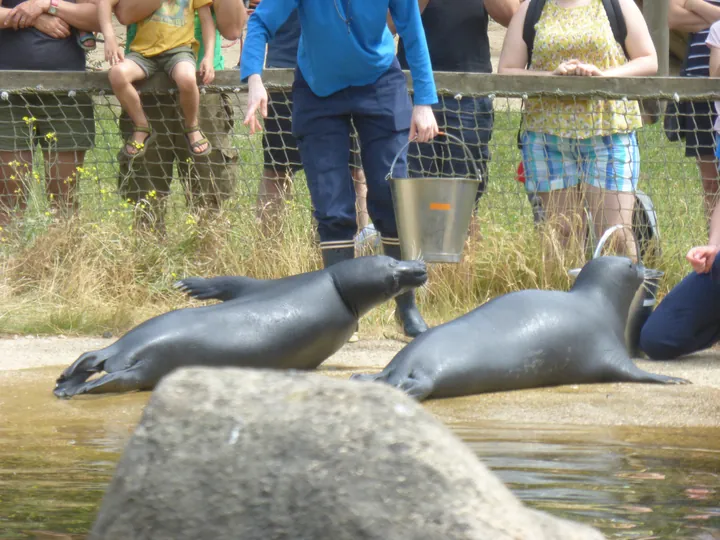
(608, 233)
(467, 153)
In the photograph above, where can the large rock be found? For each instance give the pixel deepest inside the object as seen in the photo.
(248, 454)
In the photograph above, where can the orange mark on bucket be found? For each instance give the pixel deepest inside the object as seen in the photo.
(439, 206)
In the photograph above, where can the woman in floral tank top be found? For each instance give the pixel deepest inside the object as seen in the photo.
(577, 150)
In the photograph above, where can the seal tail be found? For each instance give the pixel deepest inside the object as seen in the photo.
(80, 371)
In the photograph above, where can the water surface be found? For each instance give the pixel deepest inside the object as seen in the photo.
(57, 457)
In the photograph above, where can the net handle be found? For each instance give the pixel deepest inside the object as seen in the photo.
(464, 146)
(609, 232)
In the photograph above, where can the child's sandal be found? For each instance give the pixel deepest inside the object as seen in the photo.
(141, 147)
(193, 146)
(84, 37)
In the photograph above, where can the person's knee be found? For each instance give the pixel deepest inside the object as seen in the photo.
(658, 342)
(184, 77)
(654, 345)
(119, 75)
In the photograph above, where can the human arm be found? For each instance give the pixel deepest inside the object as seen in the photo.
(207, 26)
(113, 53)
(266, 19)
(713, 43)
(81, 16)
(709, 12)
(681, 17)
(406, 15)
(502, 11)
(133, 11)
(231, 17)
(701, 258)
(643, 59)
(422, 4)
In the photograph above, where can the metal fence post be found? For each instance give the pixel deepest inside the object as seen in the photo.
(656, 16)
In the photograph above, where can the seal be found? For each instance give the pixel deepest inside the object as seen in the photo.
(529, 339)
(295, 322)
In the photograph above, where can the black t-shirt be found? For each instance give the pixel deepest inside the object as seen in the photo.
(457, 36)
(30, 49)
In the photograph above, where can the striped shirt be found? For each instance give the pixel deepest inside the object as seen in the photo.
(697, 57)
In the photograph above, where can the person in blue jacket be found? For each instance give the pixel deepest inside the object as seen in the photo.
(347, 70)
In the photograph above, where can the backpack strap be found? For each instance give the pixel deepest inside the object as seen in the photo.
(532, 16)
(617, 22)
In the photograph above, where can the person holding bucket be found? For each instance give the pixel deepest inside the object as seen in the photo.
(688, 318)
(347, 71)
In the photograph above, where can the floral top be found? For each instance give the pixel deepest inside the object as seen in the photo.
(581, 32)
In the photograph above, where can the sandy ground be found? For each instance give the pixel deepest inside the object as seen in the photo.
(696, 405)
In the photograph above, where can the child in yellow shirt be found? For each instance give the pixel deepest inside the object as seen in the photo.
(164, 41)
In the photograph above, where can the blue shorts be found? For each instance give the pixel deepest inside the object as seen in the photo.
(610, 162)
(717, 146)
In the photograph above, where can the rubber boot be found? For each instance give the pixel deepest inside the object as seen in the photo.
(406, 314)
(333, 256)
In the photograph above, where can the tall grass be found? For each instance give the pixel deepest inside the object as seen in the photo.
(98, 273)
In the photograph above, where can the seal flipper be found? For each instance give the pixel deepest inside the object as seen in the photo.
(621, 368)
(222, 288)
(641, 376)
(417, 387)
(82, 369)
(119, 381)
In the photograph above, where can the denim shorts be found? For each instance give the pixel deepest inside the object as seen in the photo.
(610, 162)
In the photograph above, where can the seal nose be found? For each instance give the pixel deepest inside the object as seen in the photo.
(416, 271)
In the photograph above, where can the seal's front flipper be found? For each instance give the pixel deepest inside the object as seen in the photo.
(417, 386)
(120, 381)
(647, 377)
(218, 288)
(631, 373)
(87, 364)
(367, 377)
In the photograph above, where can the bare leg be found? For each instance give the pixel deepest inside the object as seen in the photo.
(275, 189)
(711, 184)
(611, 208)
(122, 76)
(61, 180)
(184, 76)
(363, 218)
(564, 221)
(12, 189)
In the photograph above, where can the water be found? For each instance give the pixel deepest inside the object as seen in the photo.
(57, 457)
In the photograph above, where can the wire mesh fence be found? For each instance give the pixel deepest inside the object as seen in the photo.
(62, 134)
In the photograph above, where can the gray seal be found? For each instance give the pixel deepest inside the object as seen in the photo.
(529, 339)
(295, 322)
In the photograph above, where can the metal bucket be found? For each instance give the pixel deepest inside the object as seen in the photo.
(433, 214)
(645, 297)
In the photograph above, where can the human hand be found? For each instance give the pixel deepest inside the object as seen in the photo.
(253, 6)
(701, 258)
(587, 70)
(257, 99)
(423, 124)
(52, 26)
(25, 14)
(566, 68)
(113, 53)
(207, 70)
